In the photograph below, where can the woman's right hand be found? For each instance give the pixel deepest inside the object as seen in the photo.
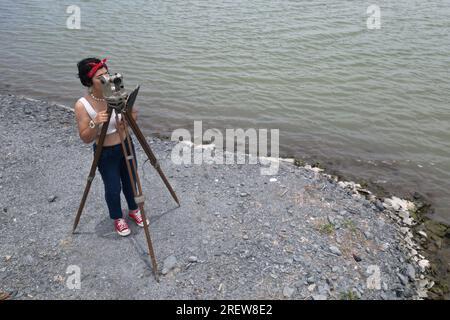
(101, 117)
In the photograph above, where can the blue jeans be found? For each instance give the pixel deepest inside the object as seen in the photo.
(114, 172)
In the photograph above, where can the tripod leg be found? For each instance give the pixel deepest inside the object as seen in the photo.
(138, 196)
(91, 176)
(150, 154)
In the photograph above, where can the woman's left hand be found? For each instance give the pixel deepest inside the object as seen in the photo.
(120, 125)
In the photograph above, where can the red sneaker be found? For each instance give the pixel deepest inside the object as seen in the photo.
(122, 227)
(137, 217)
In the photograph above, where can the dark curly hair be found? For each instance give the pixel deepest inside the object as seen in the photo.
(84, 66)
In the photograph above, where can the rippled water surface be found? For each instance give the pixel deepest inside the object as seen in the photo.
(373, 104)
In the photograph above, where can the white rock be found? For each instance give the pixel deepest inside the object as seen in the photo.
(423, 234)
(423, 264)
(399, 204)
(288, 292)
(192, 259)
(169, 263)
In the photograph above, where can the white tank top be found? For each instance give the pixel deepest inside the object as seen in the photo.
(92, 113)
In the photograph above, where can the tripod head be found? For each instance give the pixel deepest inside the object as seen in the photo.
(114, 92)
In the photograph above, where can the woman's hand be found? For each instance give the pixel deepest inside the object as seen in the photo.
(101, 117)
(120, 125)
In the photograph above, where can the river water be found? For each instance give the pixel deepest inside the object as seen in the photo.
(372, 104)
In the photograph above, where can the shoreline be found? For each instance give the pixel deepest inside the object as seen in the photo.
(399, 211)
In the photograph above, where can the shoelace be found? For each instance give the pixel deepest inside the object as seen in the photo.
(138, 216)
(121, 225)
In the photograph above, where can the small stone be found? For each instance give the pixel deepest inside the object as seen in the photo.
(288, 292)
(169, 263)
(245, 237)
(335, 250)
(423, 234)
(410, 272)
(7, 258)
(319, 297)
(310, 280)
(29, 260)
(423, 264)
(403, 279)
(311, 287)
(357, 258)
(244, 194)
(335, 269)
(52, 198)
(379, 205)
(323, 289)
(368, 235)
(192, 259)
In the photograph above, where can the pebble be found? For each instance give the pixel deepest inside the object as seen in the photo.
(311, 288)
(29, 260)
(335, 250)
(288, 292)
(52, 198)
(379, 205)
(368, 235)
(357, 258)
(323, 289)
(169, 263)
(423, 264)
(192, 259)
(319, 297)
(422, 233)
(403, 279)
(410, 272)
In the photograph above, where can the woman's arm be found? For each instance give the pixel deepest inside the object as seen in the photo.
(86, 133)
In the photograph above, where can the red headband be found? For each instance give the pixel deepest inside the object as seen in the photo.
(96, 66)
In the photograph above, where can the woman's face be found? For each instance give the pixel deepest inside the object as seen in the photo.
(96, 83)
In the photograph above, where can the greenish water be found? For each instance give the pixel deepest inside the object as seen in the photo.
(369, 103)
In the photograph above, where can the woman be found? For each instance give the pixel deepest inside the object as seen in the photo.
(90, 112)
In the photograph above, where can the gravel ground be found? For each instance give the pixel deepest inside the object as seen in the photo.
(237, 234)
